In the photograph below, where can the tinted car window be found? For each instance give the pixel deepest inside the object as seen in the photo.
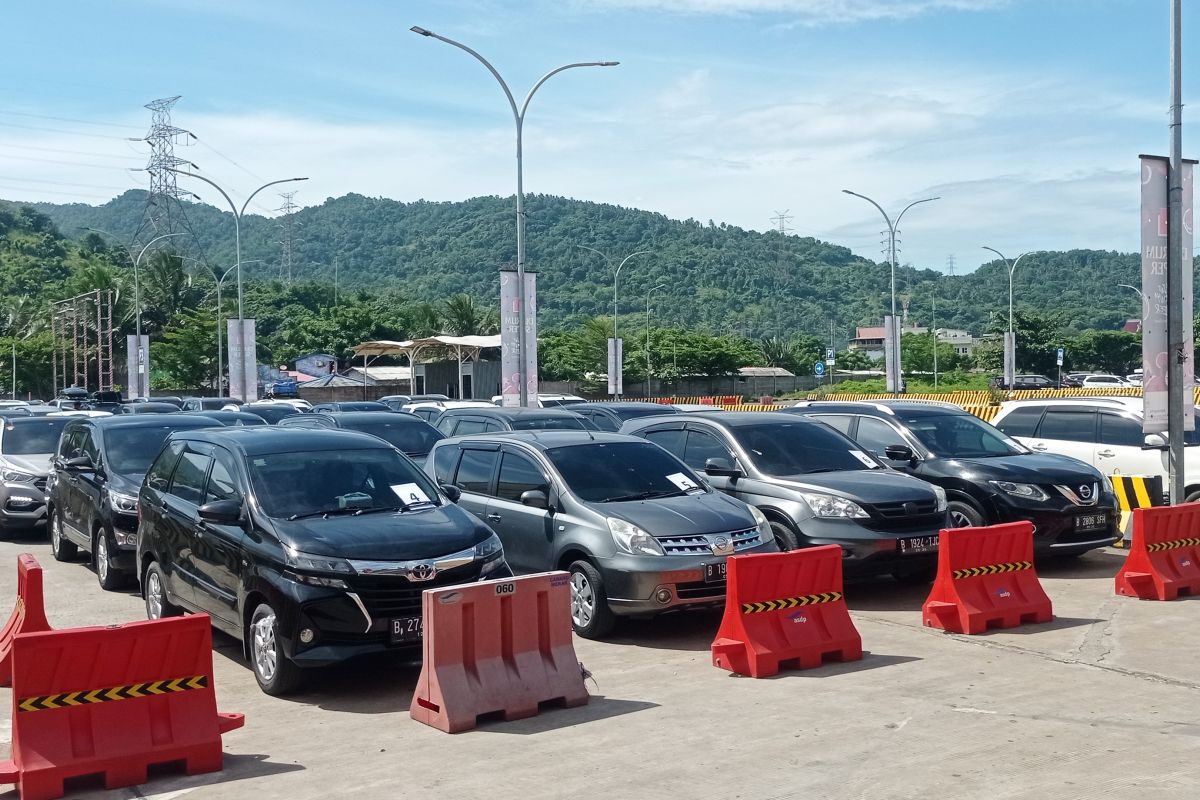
(188, 482)
(1021, 422)
(475, 470)
(89, 448)
(130, 451)
(840, 422)
(221, 485)
(160, 473)
(517, 475)
(671, 440)
(32, 438)
(960, 436)
(469, 426)
(1070, 426)
(68, 446)
(601, 472)
(444, 461)
(601, 420)
(572, 423)
(876, 435)
(1121, 431)
(797, 448)
(406, 436)
(702, 446)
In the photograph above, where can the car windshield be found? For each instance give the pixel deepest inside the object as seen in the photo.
(961, 436)
(309, 482)
(801, 448)
(549, 424)
(606, 472)
(409, 437)
(130, 451)
(33, 437)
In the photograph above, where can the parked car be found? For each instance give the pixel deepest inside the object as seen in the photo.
(639, 532)
(693, 408)
(409, 434)
(611, 416)
(396, 402)
(1105, 432)
(1070, 382)
(1134, 379)
(1024, 383)
(210, 404)
(232, 419)
(153, 407)
(92, 501)
(1105, 382)
(545, 400)
(463, 421)
(105, 401)
(310, 547)
(272, 413)
(814, 484)
(430, 410)
(13, 404)
(350, 405)
(8, 412)
(988, 477)
(300, 404)
(26, 446)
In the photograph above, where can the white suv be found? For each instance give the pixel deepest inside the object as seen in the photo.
(1106, 432)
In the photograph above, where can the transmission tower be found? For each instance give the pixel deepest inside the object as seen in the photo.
(288, 210)
(950, 265)
(164, 212)
(780, 220)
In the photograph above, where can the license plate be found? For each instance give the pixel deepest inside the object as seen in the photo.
(714, 573)
(918, 544)
(1091, 522)
(406, 629)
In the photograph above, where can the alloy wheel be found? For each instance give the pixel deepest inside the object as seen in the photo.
(154, 596)
(56, 533)
(959, 520)
(102, 557)
(266, 654)
(583, 600)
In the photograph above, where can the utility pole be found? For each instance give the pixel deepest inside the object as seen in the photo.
(335, 281)
(288, 210)
(1178, 350)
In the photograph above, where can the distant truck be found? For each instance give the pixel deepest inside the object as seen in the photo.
(286, 387)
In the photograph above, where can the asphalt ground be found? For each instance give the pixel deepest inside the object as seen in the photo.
(1102, 702)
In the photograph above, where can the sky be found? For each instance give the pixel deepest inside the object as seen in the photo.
(1025, 117)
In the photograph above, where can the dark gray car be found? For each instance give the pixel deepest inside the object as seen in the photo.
(465, 421)
(26, 447)
(815, 485)
(639, 532)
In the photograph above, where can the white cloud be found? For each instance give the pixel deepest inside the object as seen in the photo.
(810, 12)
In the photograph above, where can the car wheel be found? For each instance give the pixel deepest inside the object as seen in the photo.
(590, 615)
(785, 536)
(155, 594)
(110, 579)
(276, 674)
(60, 548)
(964, 515)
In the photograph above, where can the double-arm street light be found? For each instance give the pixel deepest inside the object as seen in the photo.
(1012, 268)
(894, 356)
(518, 118)
(616, 276)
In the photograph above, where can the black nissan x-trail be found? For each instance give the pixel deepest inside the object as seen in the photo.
(309, 546)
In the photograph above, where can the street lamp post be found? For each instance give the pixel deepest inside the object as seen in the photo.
(1012, 268)
(519, 120)
(616, 275)
(220, 352)
(892, 227)
(649, 292)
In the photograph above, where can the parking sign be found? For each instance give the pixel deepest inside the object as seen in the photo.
(819, 369)
(1060, 356)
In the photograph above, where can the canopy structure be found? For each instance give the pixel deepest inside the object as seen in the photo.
(464, 348)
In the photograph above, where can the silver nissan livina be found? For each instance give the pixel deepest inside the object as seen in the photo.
(638, 530)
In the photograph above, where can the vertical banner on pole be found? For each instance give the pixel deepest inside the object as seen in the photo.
(249, 358)
(1010, 359)
(1154, 293)
(531, 343)
(510, 337)
(137, 367)
(616, 360)
(237, 372)
(1189, 364)
(889, 354)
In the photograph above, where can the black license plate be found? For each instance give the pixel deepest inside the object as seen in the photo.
(714, 573)
(1091, 522)
(405, 629)
(918, 544)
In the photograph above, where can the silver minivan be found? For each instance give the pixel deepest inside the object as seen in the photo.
(639, 532)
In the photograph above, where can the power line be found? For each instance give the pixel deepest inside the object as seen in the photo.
(60, 130)
(15, 179)
(52, 191)
(208, 146)
(71, 163)
(62, 150)
(69, 119)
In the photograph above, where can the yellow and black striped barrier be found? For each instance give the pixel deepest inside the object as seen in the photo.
(1152, 548)
(790, 602)
(1135, 491)
(991, 569)
(132, 691)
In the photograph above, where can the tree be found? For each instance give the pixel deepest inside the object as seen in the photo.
(916, 353)
(853, 360)
(185, 354)
(462, 316)
(1038, 339)
(1109, 351)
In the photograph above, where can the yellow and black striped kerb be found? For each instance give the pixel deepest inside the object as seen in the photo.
(991, 569)
(130, 691)
(1134, 491)
(1194, 542)
(790, 602)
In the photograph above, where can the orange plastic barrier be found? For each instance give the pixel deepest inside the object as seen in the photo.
(1164, 557)
(986, 579)
(785, 610)
(29, 614)
(497, 647)
(113, 701)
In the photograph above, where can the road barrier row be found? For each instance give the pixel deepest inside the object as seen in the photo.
(1164, 554)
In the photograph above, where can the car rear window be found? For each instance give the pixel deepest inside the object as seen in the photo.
(572, 423)
(1022, 421)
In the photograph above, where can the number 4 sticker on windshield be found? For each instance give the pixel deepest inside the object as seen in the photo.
(410, 494)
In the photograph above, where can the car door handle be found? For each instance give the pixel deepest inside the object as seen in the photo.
(1039, 446)
(1105, 453)
(493, 517)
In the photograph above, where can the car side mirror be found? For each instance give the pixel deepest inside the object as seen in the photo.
(78, 464)
(898, 452)
(535, 498)
(1155, 440)
(227, 512)
(721, 468)
(453, 493)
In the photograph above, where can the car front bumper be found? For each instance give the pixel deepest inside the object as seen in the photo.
(1054, 527)
(875, 551)
(22, 506)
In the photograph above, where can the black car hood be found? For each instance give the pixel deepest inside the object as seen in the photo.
(1041, 468)
(386, 536)
(686, 515)
(126, 482)
(863, 485)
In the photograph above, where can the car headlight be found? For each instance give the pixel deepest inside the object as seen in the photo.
(306, 561)
(10, 475)
(489, 548)
(124, 503)
(1026, 491)
(631, 539)
(765, 534)
(940, 494)
(1106, 484)
(830, 506)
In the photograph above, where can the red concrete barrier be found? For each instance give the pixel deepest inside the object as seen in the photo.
(785, 610)
(29, 614)
(986, 579)
(1164, 556)
(113, 701)
(497, 647)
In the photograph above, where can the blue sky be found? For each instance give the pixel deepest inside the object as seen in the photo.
(1026, 116)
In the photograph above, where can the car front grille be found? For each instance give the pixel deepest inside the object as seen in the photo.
(701, 545)
(387, 596)
(907, 516)
(700, 590)
(40, 483)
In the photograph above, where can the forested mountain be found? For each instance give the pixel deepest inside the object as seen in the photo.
(716, 277)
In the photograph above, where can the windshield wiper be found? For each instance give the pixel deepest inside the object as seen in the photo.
(643, 496)
(325, 512)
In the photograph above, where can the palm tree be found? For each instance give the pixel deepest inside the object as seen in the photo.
(462, 316)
